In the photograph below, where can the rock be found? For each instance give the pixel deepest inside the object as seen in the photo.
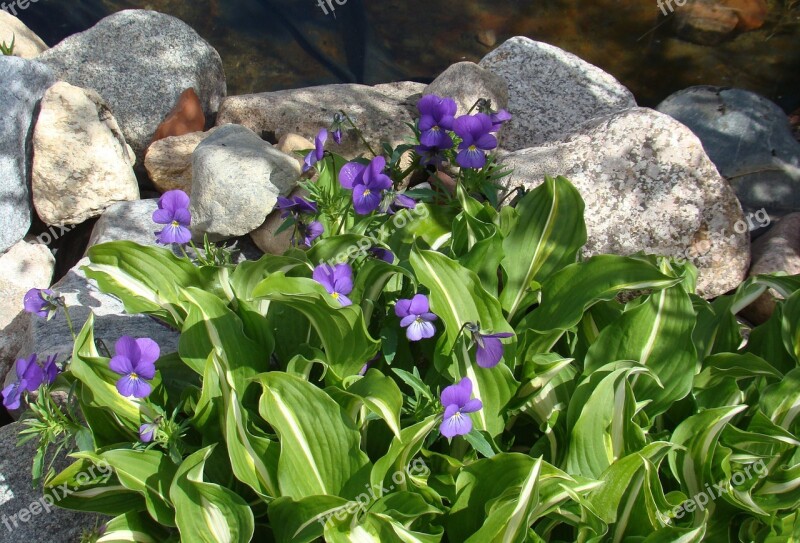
(487, 37)
(776, 251)
(81, 162)
(648, 186)
(111, 321)
(140, 62)
(23, 267)
(24, 83)
(237, 178)
(466, 83)
(264, 236)
(186, 117)
(380, 113)
(26, 43)
(551, 92)
(750, 141)
(794, 120)
(290, 143)
(169, 161)
(25, 514)
(710, 22)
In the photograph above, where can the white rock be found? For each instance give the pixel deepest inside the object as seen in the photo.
(26, 43)
(648, 186)
(551, 92)
(81, 162)
(466, 83)
(237, 178)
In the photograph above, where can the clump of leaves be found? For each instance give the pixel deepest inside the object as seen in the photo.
(8, 49)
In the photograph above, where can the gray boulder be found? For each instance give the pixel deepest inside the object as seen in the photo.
(237, 178)
(140, 62)
(750, 141)
(648, 186)
(25, 515)
(551, 92)
(24, 83)
(380, 113)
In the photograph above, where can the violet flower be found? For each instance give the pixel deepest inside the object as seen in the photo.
(430, 156)
(338, 281)
(296, 206)
(488, 347)
(367, 182)
(476, 139)
(336, 129)
(416, 317)
(29, 377)
(499, 119)
(382, 254)
(173, 211)
(135, 361)
(41, 302)
(437, 116)
(397, 201)
(147, 432)
(457, 403)
(318, 153)
(308, 232)
(50, 370)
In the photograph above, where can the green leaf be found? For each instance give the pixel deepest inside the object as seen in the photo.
(133, 527)
(657, 334)
(567, 294)
(348, 345)
(401, 451)
(312, 462)
(382, 396)
(791, 325)
(85, 486)
(302, 521)
(207, 512)
(547, 236)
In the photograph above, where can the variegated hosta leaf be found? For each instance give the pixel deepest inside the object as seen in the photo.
(382, 396)
(85, 486)
(136, 527)
(207, 512)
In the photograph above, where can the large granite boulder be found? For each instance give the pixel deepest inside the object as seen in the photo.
(750, 141)
(140, 62)
(24, 83)
(551, 92)
(466, 83)
(169, 161)
(381, 113)
(648, 186)
(81, 163)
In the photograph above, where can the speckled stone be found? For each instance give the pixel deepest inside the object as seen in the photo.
(466, 83)
(648, 186)
(776, 251)
(237, 178)
(140, 62)
(551, 92)
(380, 113)
(169, 161)
(749, 139)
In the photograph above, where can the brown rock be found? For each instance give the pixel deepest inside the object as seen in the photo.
(186, 117)
(169, 161)
(709, 22)
(291, 142)
(752, 13)
(776, 251)
(264, 236)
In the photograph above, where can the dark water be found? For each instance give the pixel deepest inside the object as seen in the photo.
(278, 44)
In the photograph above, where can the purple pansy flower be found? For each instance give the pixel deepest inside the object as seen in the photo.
(338, 281)
(296, 205)
(382, 254)
(416, 317)
(147, 431)
(318, 152)
(457, 403)
(29, 377)
(173, 211)
(135, 361)
(430, 156)
(367, 182)
(41, 302)
(488, 347)
(437, 116)
(309, 232)
(397, 201)
(337, 135)
(499, 119)
(50, 370)
(476, 139)
(336, 129)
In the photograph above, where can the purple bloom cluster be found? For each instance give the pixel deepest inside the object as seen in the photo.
(173, 212)
(338, 281)
(30, 375)
(458, 403)
(135, 361)
(477, 132)
(367, 183)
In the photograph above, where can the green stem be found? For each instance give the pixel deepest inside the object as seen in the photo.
(69, 322)
(360, 134)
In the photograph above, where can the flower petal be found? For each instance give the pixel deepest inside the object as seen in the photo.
(472, 405)
(457, 425)
(12, 396)
(418, 330)
(457, 394)
(121, 364)
(351, 174)
(343, 279)
(149, 349)
(126, 386)
(323, 274)
(407, 320)
(419, 304)
(490, 353)
(162, 216)
(401, 308)
(172, 200)
(365, 201)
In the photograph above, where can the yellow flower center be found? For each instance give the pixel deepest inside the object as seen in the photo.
(367, 192)
(175, 224)
(335, 295)
(472, 148)
(134, 376)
